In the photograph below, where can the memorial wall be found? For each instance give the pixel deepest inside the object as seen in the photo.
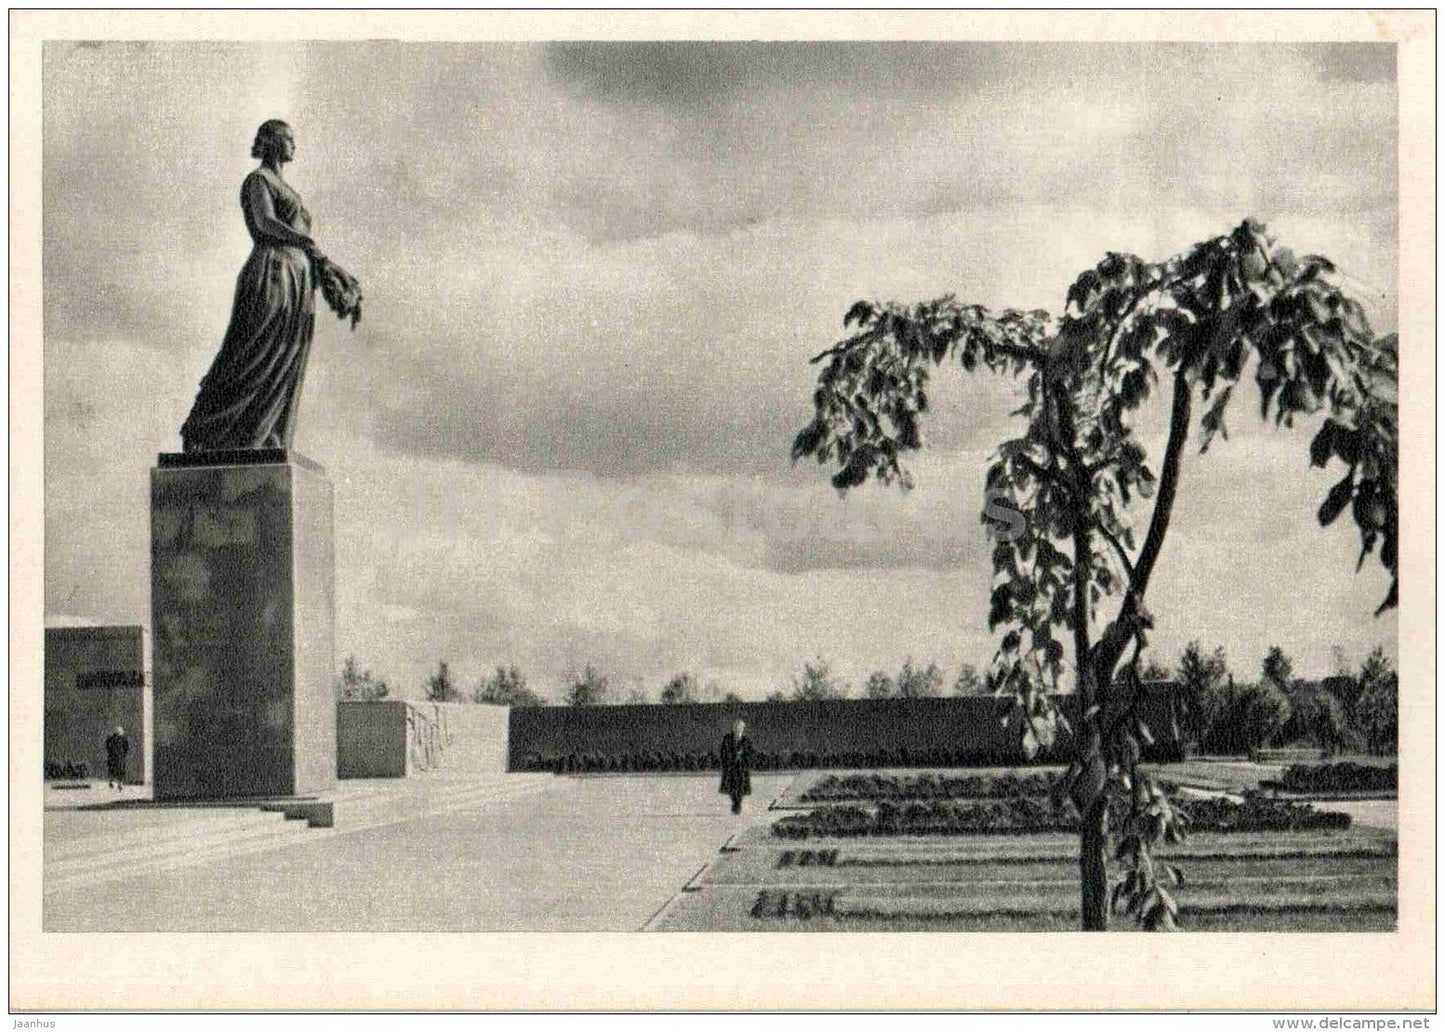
(96, 679)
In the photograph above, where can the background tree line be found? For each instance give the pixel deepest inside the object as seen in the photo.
(1355, 709)
(507, 686)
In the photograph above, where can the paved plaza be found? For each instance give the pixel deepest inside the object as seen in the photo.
(513, 852)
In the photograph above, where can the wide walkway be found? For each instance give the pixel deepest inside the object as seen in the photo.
(585, 854)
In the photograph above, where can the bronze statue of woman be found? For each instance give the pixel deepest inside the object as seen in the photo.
(250, 396)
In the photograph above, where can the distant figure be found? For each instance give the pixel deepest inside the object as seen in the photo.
(117, 748)
(737, 757)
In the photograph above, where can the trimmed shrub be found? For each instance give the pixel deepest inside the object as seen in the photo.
(1258, 814)
(1028, 815)
(928, 786)
(1340, 777)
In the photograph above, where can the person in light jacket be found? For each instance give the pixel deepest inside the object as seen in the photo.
(737, 758)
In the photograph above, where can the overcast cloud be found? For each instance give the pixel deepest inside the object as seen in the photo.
(594, 274)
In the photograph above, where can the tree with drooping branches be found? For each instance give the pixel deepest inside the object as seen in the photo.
(1071, 577)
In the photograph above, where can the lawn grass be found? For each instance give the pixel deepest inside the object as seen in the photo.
(728, 909)
(768, 869)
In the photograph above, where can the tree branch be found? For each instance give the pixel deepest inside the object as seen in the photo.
(1029, 353)
(1118, 547)
(1126, 625)
(1168, 485)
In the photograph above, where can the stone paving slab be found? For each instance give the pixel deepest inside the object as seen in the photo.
(121, 840)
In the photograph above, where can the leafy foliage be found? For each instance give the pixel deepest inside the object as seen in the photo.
(588, 688)
(681, 689)
(818, 683)
(878, 686)
(1154, 671)
(1318, 718)
(506, 686)
(1277, 668)
(1191, 326)
(911, 683)
(1143, 887)
(1200, 678)
(439, 686)
(1250, 717)
(356, 685)
(969, 681)
(919, 682)
(1378, 707)
(1198, 319)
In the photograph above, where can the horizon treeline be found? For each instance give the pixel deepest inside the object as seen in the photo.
(1356, 708)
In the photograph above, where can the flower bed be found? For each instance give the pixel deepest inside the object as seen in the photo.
(834, 788)
(773, 903)
(1340, 777)
(1020, 815)
(1256, 814)
(1033, 815)
(763, 760)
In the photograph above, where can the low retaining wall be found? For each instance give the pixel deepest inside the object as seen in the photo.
(475, 737)
(944, 732)
(371, 739)
(395, 738)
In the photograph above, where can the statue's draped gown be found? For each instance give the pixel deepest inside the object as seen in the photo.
(251, 394)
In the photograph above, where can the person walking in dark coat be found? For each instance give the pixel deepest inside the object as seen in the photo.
(737, 758)
(117, 748)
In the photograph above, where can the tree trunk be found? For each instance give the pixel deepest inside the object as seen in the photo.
(1093, 867)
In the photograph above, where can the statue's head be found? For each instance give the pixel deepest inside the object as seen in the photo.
(273, 140)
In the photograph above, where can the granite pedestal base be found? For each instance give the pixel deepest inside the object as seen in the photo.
(242, 605)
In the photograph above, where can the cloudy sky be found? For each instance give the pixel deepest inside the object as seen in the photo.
(594, 274)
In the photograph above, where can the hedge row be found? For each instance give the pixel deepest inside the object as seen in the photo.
(1340, 777)
(1259, 814)
(592, 762)
(1020, 815)
(1026, 815)
(927, 786)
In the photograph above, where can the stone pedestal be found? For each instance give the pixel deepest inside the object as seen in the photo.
(242, 606)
